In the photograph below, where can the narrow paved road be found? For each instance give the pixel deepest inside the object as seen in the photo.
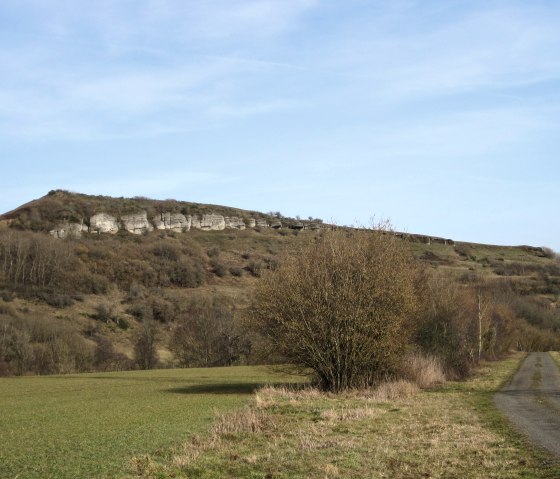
(532, 401)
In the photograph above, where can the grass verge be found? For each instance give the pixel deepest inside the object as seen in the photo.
(399, 432)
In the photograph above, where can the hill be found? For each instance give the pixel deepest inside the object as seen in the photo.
(135, 277)
(64, 214)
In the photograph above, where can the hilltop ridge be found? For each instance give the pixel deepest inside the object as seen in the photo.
(65, 214)
(69, 214)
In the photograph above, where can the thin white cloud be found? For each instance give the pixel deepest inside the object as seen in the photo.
(490, 47)
(248, 110)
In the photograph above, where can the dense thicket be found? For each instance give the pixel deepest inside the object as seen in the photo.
(462, 323)
(34, 260)
(31, 344)
(207, 334)
(37, 262)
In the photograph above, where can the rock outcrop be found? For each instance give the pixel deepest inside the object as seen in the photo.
(173, 221)
(234, 222)
(261, 223)
(212, 222)
(103, 223)
(136, 223)
(68, 230)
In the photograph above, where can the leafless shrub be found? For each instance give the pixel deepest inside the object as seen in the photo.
(340, 307)
(255, 267)
(105, 312)
(206, 334)
(218, 268)
(106, 358)
(147, 337)
(236, 271)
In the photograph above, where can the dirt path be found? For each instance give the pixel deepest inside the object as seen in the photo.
(531, 400)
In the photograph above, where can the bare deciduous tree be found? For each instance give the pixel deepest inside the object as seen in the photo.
(145, 352)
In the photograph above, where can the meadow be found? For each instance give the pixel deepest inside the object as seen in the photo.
(222, 422)
(396, 431)
(90, 425)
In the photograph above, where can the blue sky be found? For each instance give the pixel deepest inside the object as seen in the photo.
(441, 115)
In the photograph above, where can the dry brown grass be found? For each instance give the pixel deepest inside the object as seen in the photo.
(351, 414)
(270, 395)
(555, 356)
(143, 466)
(247, 420)
(423, 370)
(389, 391)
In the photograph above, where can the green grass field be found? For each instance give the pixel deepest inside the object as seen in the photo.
(90, 425)
(208, 423)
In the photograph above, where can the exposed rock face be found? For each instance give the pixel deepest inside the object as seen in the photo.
(136, 223)
(68, 230)
(415, 238)
(234, 222)
(103, 223)
(195, 222)
(261, 223)
(212, 222)
(173, 221)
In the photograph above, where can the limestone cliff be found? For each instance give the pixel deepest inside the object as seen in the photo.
(173, 221)
(69, 230)
(103, 223)
(138, 223)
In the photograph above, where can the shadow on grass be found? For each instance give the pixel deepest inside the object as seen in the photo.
(227, 388)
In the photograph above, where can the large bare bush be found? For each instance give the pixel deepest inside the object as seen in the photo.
(206, 334)
(340, 307)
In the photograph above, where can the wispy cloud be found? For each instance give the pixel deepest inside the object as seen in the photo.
(407, 54)
(78, 72)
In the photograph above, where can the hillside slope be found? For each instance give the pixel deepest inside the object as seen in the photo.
(83, 302)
